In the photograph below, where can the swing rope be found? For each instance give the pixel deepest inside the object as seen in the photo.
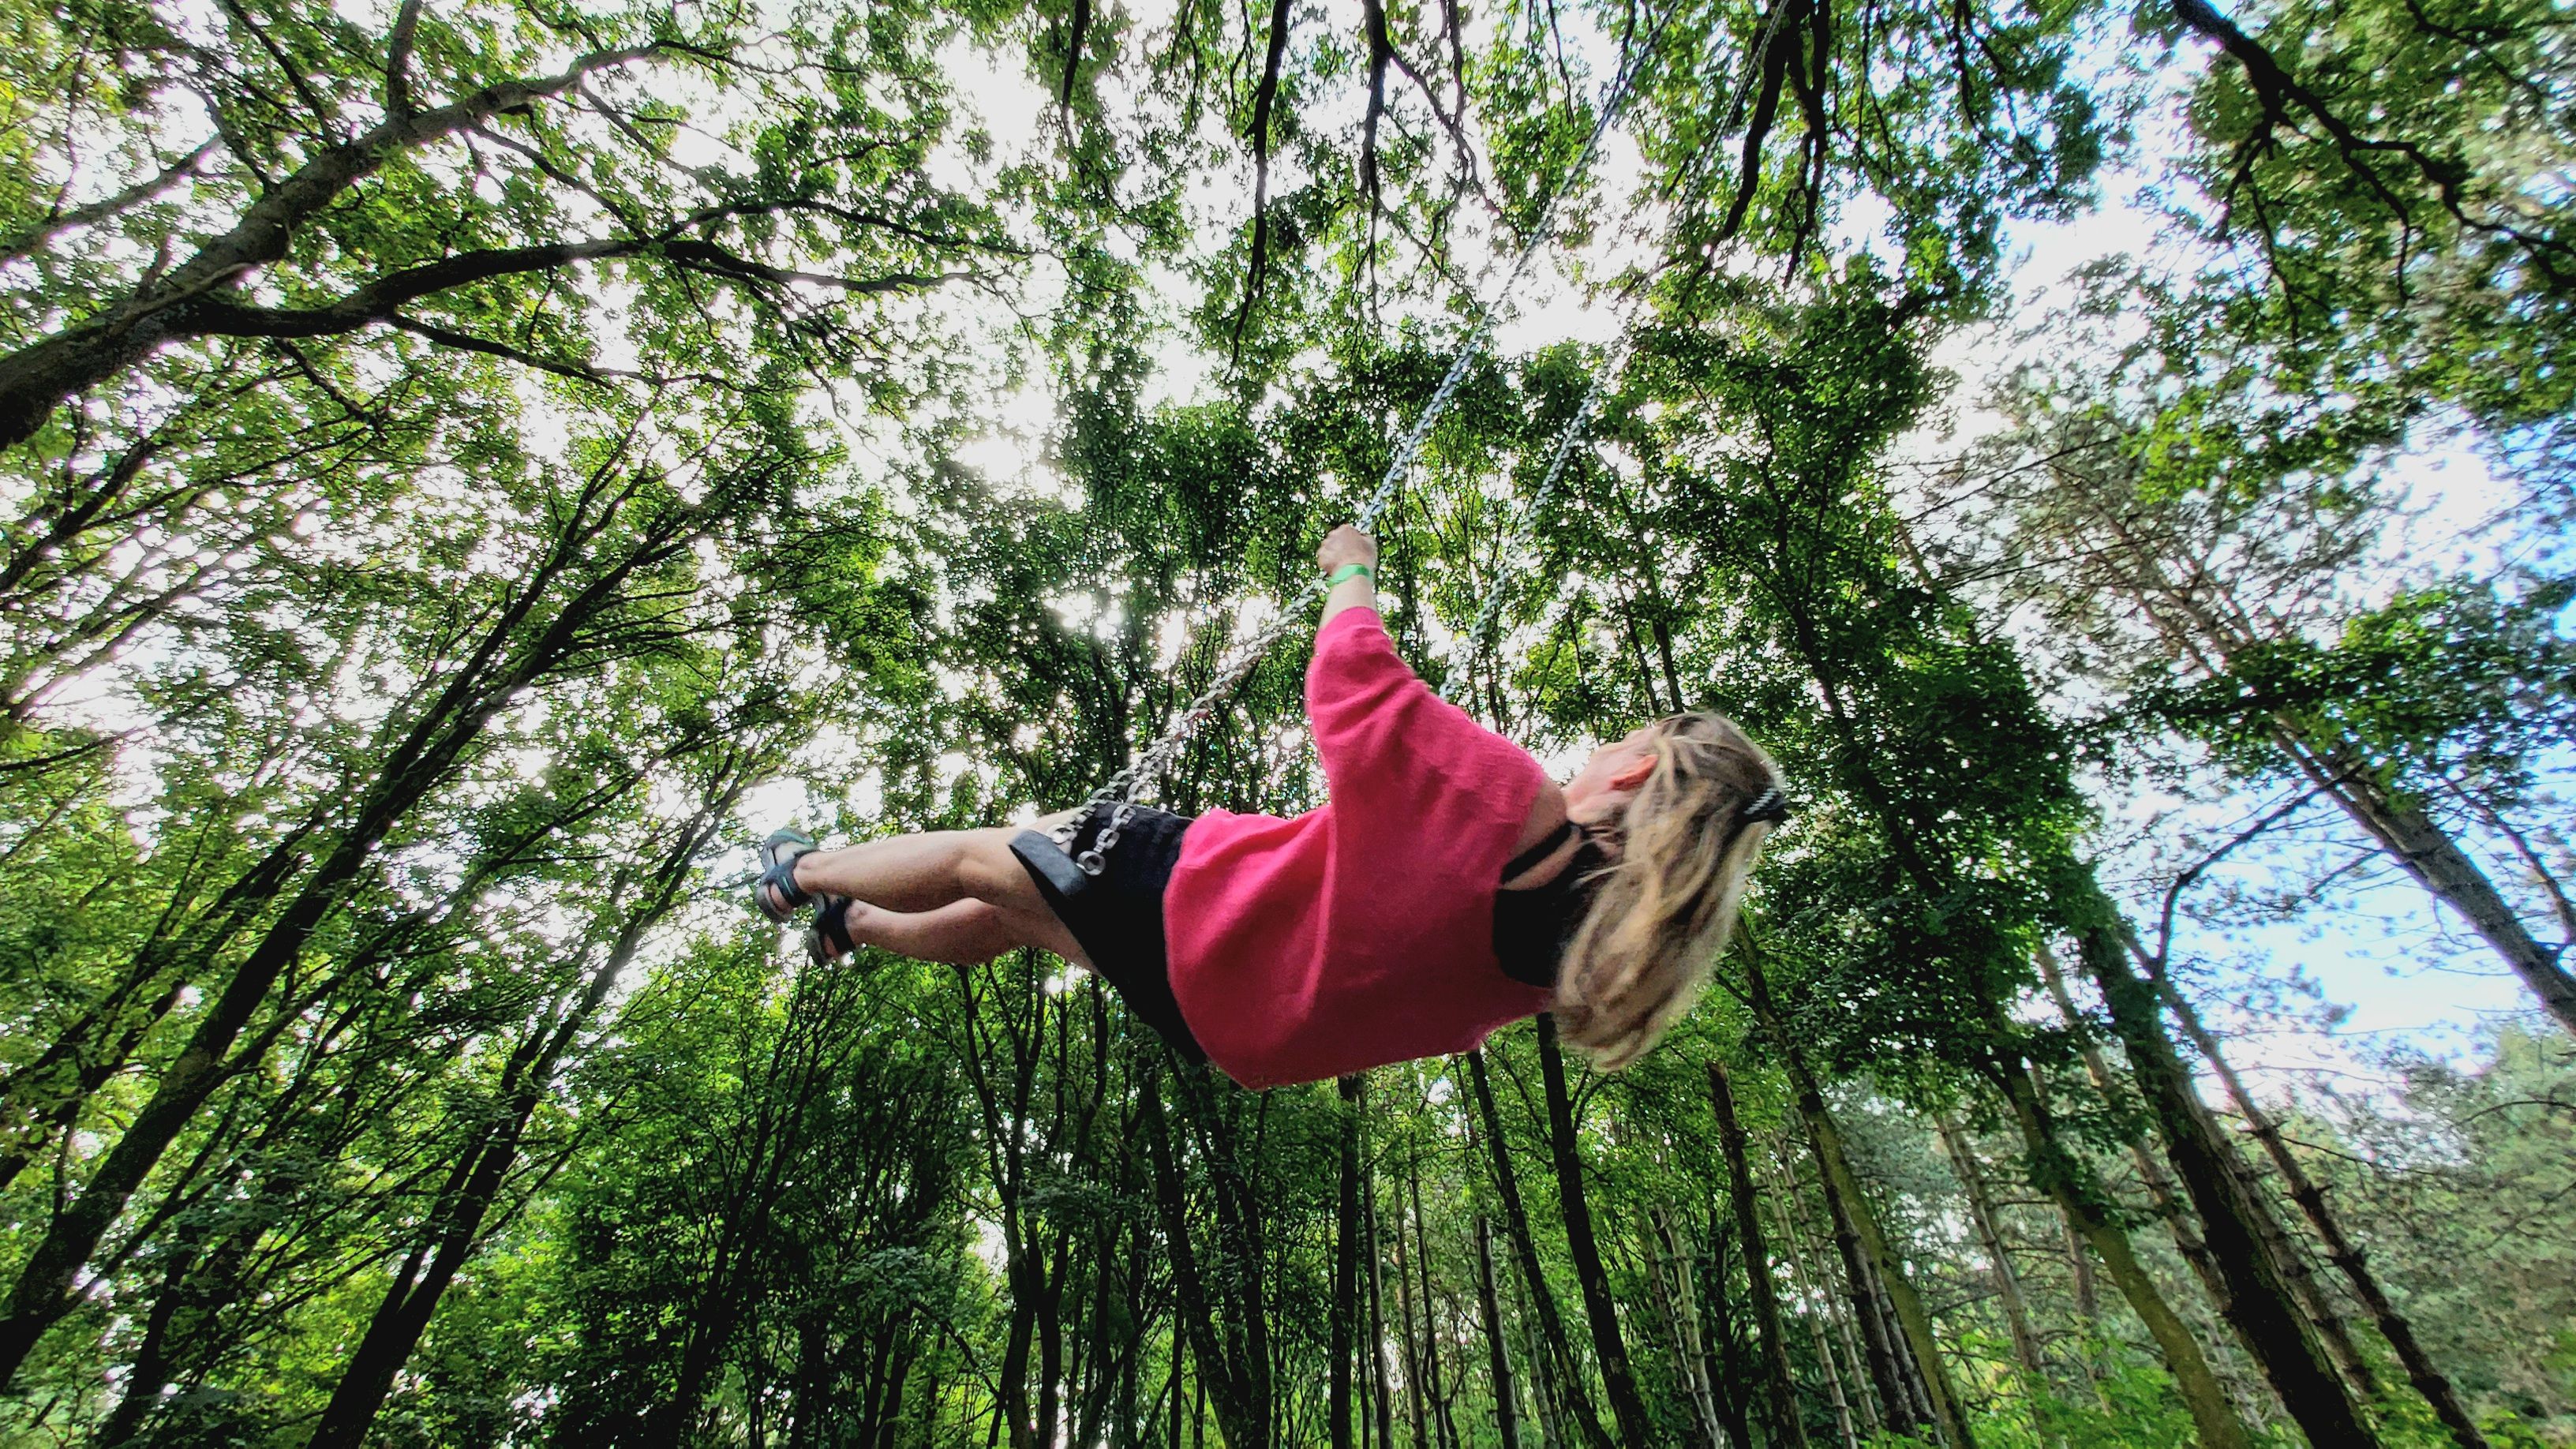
(1150, 763)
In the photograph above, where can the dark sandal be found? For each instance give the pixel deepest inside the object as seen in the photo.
(827, 937)
(776, 892)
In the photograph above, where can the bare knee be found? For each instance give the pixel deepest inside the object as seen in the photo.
(988, 871)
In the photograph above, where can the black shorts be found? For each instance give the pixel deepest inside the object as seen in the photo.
(1118, 914)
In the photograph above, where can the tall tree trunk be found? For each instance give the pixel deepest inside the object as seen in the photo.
(1382, 1398)
(2161, 1193)
(2435, 861)
(1543, 1395)
(2258, 1301)
(2341, 1250)
(1404, 1252)
(2079, 1275)
(1346, 1262)
(149, 1371)
(2290, 1258)
(2057, 1172)
(1694, 1346)
(1905, 1404)
(1912, 1335)
(455, 1227)
(1232, 1353)
(1668, 1275)
(1728, 1369)
(1498, 1357)
(1567, 1379)
(1913, 1325)
(1600, 1307)
(1833, 1327)
(2202, 627)
(1180, 1354)
(1779, 1386)
(1447, 1430)
(2007, 1282)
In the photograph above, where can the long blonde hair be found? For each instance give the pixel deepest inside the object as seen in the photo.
(1661, 911)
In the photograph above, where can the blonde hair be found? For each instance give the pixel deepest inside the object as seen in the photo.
(1661, 911)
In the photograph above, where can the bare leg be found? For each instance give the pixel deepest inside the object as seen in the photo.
(920, 876)
(917, 872)
(961, 933)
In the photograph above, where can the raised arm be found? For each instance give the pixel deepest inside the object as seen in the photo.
(1342, 547)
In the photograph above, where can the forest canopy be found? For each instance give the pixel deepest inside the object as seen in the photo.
(471, 468)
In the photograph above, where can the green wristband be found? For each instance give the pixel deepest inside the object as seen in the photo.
(1350, 571)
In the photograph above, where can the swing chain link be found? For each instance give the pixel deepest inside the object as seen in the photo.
(1479, 638)
(1156, 758)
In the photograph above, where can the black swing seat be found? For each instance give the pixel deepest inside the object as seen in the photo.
(1050, 863)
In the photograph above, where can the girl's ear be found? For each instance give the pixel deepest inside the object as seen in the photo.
(1633, 775)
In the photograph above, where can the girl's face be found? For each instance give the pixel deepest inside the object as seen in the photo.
(1612, 774)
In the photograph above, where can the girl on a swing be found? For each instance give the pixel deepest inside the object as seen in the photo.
(1448, 887)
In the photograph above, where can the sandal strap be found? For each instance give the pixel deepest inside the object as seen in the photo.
(831, 927)
(779, 883)
(776, 891)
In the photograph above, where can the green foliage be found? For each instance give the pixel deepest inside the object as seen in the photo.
(450, 512)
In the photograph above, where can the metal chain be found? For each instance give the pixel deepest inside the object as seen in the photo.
(1154, 759)
(1479, 638)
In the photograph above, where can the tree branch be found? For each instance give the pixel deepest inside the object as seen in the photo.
(398, 60)
(108, 206)
(1263, 99)
(1774, 65)
(2277, 90)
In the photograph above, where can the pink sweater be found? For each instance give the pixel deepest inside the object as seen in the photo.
(1361, 933)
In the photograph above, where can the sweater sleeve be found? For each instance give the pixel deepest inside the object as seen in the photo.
(1387, 741)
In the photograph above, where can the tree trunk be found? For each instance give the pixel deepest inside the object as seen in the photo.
(2203, 628)
(2056, 1171)
(1727, 1367)
(1779, 1386)
(1560, 1367)
(2161, 1193)
(455, 1227)
(1180, 1356)
(1346, 1262)
(2258, 1301)
(1404, 1251)
(1382, 1399)
(1668, 1275)
(1223, 1351)
(1901, 1403)
(2341, 1251)
(2007, 1282)
(1448, 1431)
(1813, 1279)
(1599, 1306)
(1913, 1326)
(2289, 1257)
(2435, 861)
(1498, 1358)
(1543, 1395)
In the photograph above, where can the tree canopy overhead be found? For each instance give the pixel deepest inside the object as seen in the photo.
(468, 470)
